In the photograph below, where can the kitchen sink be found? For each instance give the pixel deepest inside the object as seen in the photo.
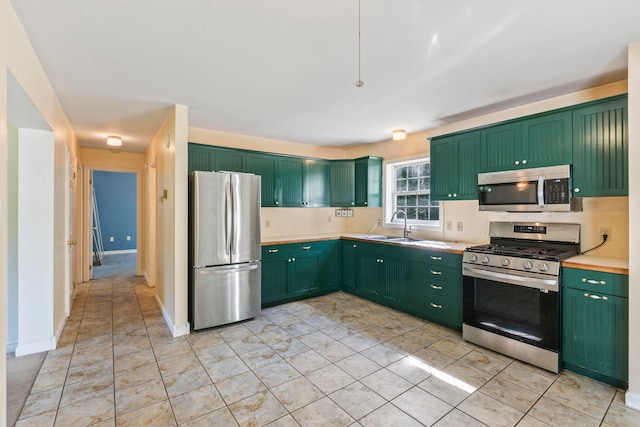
(393, 239)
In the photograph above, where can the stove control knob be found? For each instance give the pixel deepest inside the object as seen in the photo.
(543, 267)
(473, 258)
(506, 262)
(485, 259)
(528, 265)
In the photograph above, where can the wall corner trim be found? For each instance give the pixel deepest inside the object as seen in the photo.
(176, 332)
(632, 400)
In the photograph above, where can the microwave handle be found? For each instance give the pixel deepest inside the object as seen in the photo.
(541, 191)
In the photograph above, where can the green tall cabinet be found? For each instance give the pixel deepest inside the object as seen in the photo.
(368, 181)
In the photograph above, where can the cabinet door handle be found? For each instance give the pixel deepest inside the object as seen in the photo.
(436, 287)
(437, 273)
(517, 162)
(355, 246)
(273, 251)
(306, 248)
(594, 282)
(435, 305)
(277, 202)
(576, 190)
(593, 296)
(524, 161)
(436, 258)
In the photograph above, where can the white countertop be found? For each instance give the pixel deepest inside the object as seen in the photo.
(598, 263)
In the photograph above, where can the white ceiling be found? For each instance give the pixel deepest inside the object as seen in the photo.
(286, 69)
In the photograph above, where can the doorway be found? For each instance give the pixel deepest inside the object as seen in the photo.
(114, 224)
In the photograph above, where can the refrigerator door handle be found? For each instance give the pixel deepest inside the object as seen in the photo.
(233, 187)
(230, 269)
(228, 225)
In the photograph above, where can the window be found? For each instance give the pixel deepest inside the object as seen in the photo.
(409, 189)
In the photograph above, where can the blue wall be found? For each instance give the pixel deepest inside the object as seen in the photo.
(116, 199)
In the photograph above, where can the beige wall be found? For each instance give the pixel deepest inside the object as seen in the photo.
(171, 218)
(633, 395)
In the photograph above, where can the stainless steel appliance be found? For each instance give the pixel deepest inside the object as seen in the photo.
(545, 189)
(512, 290)
(225, 251)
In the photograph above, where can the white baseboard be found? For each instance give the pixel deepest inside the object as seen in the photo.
(11, 346)
(58, 332)
(123, 251)
(632, 400)
(36, 347)
(176, 332)
(146, 279)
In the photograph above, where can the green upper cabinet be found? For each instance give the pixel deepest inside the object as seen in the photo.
(342, 176)
(200, 158)
(542, 140)
(291, 182)
(600, 149)
(547, 140)
(230, 160)
(368, 181)
(316, 183)
(500, 147)
(454, 167)
(265, 165)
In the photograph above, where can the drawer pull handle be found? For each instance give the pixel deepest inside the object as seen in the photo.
(435, 305)
(592, 296)
(436, 258)
(273, 251)
(436, 287)
(306, 248)
(594, 282)
(437, 273)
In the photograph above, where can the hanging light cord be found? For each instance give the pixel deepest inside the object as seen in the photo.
(359, 83)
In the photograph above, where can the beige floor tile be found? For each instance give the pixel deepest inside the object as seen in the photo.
(51, 379)
(134, 360)
(453, 347)
(404, 345)
(274, 335)
(308, 361)
(247, 344)
(556, 414)
(214, 354)
(205, 339)
(490, 411)
(622, 416)
(422, 406)
(84, 390)
(357, 400)
(177, 347)
(322, 413)
(581, 393)
(89, 371)
(226, 368)
(511, 394)
(156, 415)
(433, 358)
(233, 332)
(299, 329)
(87, 412)
(315, 339)
(297, 393)
(186, 381)
(487, 360)
(330, 378)
(334, 351)
(468, 374)
(358, 366)
(137, 375)
(529, 421)
(220, 417)
(447, 388)
(263, 356)
(411, 369)
(389, 415)
(386, 383)
(534, 380)
(290, 347)
(177, 364)
(46, 419)
(423, 337)
(277, 373)
(132, 398)
(239, 387)
(358, 342)
(39, 403)
(56, 362)
(259, 409)
(196, 403)
(458, 418)
(286, 421)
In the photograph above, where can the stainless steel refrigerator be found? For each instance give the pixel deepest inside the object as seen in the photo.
(225, 250)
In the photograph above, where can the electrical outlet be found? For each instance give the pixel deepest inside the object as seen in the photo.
(459, 226)
(607, 231)
(128, 238)
(449, 225)
(111, 238)
(267, 223)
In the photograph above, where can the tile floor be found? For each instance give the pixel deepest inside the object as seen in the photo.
(336, 360)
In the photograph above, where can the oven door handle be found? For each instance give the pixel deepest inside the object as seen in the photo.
(531, 282)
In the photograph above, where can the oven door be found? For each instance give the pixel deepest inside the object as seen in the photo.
(525, 309)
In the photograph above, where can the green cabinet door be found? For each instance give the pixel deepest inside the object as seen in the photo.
(303, 274)
(291, 181)
(394, 274)
(370, 282)
(349, 264)
(316, 183)
(342, 188)
(200, 157)
(230, 160)
(265, 165)
(600, 149)
(331, 266)
(500, 147)
(368, 181)
(274, 280)
(547, 140)
(595, 335)
(454, 167)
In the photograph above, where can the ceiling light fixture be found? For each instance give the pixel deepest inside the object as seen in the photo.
(114, 141)
(399, 134)
(359, 83)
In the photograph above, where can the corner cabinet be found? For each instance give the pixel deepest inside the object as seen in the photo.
(368, 181)
(600, 149)
(454, 167)
(595, 325)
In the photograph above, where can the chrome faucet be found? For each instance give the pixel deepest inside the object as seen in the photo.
(405, 234)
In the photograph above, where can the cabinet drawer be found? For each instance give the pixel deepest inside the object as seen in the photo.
(443, 310)
(444, 259)
(596, 281)
(277, 251)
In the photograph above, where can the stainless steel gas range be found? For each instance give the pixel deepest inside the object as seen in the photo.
(512, 290)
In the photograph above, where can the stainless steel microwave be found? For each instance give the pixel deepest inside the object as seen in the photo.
(545, 189)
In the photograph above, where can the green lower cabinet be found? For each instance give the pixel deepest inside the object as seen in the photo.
(274, 281)
(349, 256)
(595, 328)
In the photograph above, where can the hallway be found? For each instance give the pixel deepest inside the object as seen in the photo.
(336, 360)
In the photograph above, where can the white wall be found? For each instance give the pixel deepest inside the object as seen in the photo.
(12, 244)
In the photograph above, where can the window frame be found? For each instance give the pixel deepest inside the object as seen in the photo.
(390, 193)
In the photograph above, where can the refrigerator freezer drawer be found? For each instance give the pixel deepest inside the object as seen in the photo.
(225, 294)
